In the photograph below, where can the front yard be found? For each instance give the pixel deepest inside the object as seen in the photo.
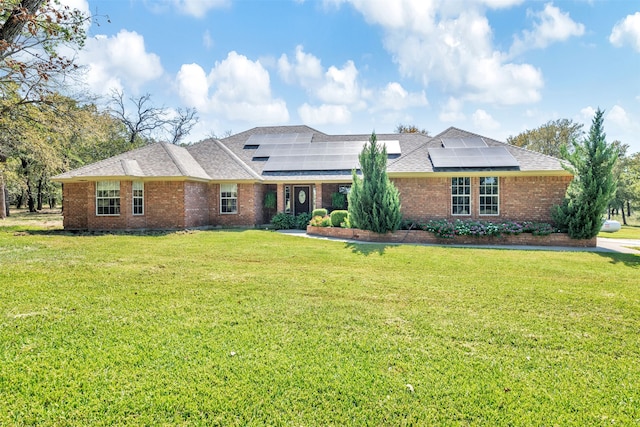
(258, 328)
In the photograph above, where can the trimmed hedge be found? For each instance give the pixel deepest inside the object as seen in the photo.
(338, 217)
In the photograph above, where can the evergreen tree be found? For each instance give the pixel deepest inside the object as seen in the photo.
(374, 202)
(591, 162)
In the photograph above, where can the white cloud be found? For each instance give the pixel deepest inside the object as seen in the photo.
(341, 85)
(236, 88)
(395, 97)
(207, 40)
(305, 71)
(339, 90)
(324, 114)
(452, 111)
(627, 31)
(198, 8)
(81, 5)
(618, 116)
(483, 120)
(121, 58)
(450, 43)
(586, 115)
(553, 25)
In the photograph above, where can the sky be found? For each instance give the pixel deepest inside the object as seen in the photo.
(493, 67)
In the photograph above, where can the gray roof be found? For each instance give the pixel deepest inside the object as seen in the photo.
(158, 160)
(227, 159)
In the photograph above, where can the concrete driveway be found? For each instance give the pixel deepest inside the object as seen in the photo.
(623, 246)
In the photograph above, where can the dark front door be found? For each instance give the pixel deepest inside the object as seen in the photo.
(301, 200)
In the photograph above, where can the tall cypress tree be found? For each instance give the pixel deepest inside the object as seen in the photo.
(593, 186)
(374, 202)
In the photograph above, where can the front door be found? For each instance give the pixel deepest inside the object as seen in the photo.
(301, 200)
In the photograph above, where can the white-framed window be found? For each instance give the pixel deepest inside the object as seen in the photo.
(461, 196)
(287, 199)
(228, 198)
(489, 195)
(107, 198)
(137, 197)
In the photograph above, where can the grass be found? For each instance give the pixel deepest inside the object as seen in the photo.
(630, 231)
(257, 328)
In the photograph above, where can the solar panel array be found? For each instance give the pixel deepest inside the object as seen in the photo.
(278, 138)
(480, 157)
(467, 142)
(296, 152)
(311, 163)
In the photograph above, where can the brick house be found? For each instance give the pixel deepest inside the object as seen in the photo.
(455, 174)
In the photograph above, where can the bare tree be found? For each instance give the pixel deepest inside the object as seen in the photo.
(181, 125)
(145, 120)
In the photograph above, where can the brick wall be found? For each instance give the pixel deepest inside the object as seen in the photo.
(327, 191)
(521, 198)
(74, 205)
(176, 204)
(196, 203)
(249, 214)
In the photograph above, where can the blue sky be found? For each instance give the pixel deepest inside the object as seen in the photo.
(495, 67)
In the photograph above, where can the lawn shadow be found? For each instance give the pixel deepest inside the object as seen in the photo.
(630, 260)
(366, 248)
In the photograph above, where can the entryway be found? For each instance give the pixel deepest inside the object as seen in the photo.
(301, 199)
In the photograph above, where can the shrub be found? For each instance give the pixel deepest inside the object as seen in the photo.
(320, 221)
(283, 221)
(338, 217)
(302, 220)
(319, 212)
(538, 228)
(445, 229)
(374, 202)
(338, 200)
(591, 162)
(270, 200)
(440, 227)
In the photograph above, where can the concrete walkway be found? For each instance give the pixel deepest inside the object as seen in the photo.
(609, 245)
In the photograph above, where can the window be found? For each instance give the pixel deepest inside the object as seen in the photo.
(287, 199)
(489, 196)
(461, 196)
(108, 198)
(138, 197)
(228, 198)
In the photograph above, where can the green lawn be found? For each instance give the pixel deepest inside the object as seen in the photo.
(630, 231)
(259, 328)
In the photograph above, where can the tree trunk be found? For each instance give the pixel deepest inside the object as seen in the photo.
(624, 218)
(39, 195)
(13, 25)
(6, 201)
(628, 208)
(31, 203)
(3, 200)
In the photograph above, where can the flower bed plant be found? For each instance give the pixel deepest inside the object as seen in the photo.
(444, 228)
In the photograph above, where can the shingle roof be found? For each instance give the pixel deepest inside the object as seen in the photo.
(228, 159)
(151, 161)
(219, 162)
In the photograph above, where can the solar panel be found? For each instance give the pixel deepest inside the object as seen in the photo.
(484, 157)
(466, 142)
(277, 138)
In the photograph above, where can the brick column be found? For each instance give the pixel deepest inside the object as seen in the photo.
(318, 201)
(280, 198)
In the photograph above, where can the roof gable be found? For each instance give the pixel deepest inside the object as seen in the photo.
(158, 160)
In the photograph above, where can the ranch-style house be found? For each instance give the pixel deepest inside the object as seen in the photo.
(223, 182)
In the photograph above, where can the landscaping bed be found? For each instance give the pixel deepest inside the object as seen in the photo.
(420, 236)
